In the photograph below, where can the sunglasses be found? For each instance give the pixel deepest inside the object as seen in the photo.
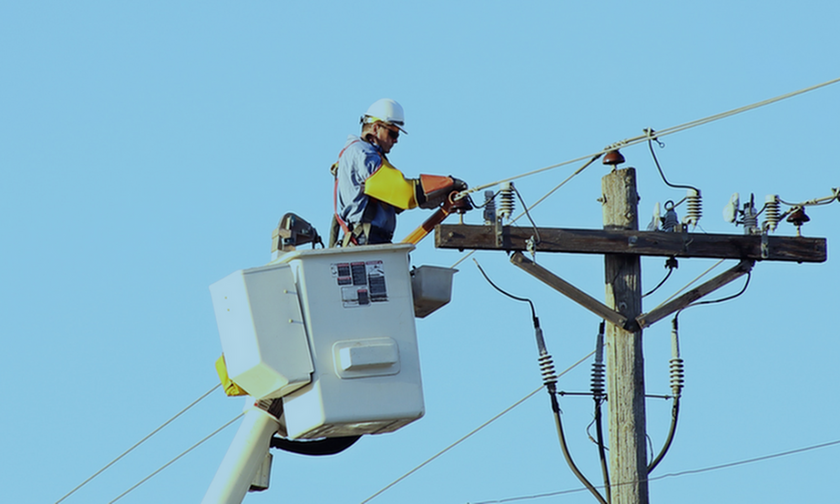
(393, 133)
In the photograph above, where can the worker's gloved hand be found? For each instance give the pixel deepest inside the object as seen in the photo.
(432, 190)
(458, 184)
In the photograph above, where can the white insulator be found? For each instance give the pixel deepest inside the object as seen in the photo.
(677, 376)
(695, 207)
(506, 201)
(771, 212)
(547, 369)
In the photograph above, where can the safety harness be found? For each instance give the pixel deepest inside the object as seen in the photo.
(358, 229)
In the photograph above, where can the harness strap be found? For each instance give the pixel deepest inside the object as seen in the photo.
(338, 218)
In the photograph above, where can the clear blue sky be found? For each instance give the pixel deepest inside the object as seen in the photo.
(148, 149)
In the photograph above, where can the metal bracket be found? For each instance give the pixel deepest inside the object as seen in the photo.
(573, 293)
(765, 245)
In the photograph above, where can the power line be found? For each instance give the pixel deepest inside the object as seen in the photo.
(674, 474)
(648, 136)
(464, 438)
(164, 466)
(545, 196)
(138, 443)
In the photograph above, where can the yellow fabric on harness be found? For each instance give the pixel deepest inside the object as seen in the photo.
(389, 185)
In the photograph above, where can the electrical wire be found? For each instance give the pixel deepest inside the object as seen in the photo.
(456, 443)
(474, 431)
(673, 475)
(517, 298)
(650, 134)
(662, 174)
(555, 406)
(545, 196)
(550, 381)
(533, 224)
(675, 412)
(597, 387)
(123, 454)
(689, 284)
(727, 298)
(667, 275)
(164, 466)
(816, 201)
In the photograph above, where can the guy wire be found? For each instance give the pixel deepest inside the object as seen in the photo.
(138, 443)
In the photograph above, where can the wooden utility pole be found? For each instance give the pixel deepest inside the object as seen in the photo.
(622, 245)
(625, 362)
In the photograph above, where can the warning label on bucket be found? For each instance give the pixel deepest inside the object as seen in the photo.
(361, 283)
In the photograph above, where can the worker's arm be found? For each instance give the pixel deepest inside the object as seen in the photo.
(389, 185)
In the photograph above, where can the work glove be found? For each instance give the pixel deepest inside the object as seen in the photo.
(432, 190)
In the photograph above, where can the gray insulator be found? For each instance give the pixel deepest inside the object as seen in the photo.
(750, 220)
(597, 380)
(489, 208)
(547, 369)
(670, 221)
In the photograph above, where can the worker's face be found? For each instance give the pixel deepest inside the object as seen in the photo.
(386, 136)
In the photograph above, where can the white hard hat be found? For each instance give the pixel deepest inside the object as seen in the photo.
(387, 111)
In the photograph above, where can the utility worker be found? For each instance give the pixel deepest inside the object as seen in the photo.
(369, 192)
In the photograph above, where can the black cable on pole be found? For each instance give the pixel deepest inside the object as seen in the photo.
(662, 174)
(550, 383)
(599, 432)
(555, 407)
(599, 398)
(675, 411)
(670, 263)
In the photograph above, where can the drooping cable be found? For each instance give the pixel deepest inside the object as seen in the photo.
(677, 369)
(191, 448)
(727, 298)
(555, 406)
(550, 382)
(517, 298)
(671, 264)
(138, 443)
(662, 174)
(677, 381)
(599, 397)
